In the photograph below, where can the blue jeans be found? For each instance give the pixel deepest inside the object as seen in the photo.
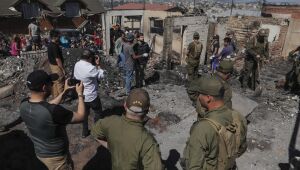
(128, 79)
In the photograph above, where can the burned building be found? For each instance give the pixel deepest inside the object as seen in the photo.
(146, 18)
(51, 14)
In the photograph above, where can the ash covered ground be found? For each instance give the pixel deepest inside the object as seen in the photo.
(270, 129)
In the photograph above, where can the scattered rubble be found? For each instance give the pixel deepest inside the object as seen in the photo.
(271, 121)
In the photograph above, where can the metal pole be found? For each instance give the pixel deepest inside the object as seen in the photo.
(231, 7)
(112, 4)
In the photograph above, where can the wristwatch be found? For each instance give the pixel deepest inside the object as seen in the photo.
(81, 95)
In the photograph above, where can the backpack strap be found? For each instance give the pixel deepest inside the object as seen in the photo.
(237, 123)
(217, 126)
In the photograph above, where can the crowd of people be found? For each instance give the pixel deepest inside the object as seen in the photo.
(90, 37)
(216, 139)
(256, 53)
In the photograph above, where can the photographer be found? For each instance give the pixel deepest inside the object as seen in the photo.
(46, 121)
(89, 72)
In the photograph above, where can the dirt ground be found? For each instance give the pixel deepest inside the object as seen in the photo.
(270, 129)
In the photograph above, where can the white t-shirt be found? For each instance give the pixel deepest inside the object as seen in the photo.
(89, 75)
(34, 29)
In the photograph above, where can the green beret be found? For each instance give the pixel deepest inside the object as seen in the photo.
(226, 66)
(209, 85)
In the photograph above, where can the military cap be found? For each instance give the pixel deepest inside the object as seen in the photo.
(208, 85)
(262, 32)
(196, 35)
(138, 101)
(226, 66)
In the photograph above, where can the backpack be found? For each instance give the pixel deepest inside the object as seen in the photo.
(229, 141)
(197, 49)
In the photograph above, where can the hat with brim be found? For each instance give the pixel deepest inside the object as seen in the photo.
(207, 85)
(38, 78)
(226, 66)
(138, 101)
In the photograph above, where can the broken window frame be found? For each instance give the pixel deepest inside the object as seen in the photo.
(156, 26)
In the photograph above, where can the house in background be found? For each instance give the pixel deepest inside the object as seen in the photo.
(292, 15)
(72, 14)
(143, 17)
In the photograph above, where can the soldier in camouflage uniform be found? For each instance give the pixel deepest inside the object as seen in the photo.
(293, 77)
(223, 74)
(193, 57)
(129, 142)
(256, 52)
(205, 148)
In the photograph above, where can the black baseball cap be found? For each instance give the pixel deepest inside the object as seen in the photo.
(38, 78)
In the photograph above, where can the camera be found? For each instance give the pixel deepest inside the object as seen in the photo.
(73, 82)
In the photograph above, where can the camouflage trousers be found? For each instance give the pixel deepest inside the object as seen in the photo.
(192, 70)
(250, 74)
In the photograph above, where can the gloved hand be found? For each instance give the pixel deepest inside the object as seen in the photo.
(145, 55)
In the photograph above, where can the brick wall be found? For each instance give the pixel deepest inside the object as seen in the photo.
(244, 28)
(293, 10)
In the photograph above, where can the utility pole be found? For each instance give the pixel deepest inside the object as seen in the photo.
(231, 7)
(112, 4)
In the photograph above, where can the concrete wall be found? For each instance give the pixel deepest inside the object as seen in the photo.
(274, 31)
(108, 23)
(244, 29)
(145, 24)
(292, 38)
(149, 36)
(191, 24)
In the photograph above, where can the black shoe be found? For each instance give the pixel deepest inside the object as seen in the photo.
(85, 134)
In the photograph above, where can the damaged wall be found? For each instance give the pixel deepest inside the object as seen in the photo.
(293, 34)
(174, 44)
(245, 27)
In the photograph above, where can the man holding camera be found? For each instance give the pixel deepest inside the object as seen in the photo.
(46, 121)
(89, 72)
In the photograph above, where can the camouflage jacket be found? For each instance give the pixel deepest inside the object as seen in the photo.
(254, 48)
(194, 51)
(201, 151)
(227, 93)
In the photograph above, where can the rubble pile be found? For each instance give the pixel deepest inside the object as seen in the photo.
(11, 71)
(14, 70)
